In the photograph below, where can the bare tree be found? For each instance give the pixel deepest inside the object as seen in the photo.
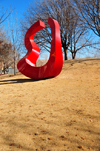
(5, 50)
(80, 39)
(73, 29)
(90, 12)
(8, 53)
(62, 11)
(15, 39)
(4, 45)
(4, 14)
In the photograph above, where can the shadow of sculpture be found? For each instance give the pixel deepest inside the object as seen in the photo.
(14, 81)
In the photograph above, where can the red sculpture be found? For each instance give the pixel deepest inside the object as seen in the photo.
(54, 65)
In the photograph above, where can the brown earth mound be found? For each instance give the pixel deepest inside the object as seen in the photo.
(57, 114)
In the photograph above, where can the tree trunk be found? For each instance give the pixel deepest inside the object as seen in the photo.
(4, 68)
(73, 55)
(14, 66)
(65, 54)
(1, 67)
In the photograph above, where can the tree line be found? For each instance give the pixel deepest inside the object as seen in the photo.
(9, 42)
(78, 20)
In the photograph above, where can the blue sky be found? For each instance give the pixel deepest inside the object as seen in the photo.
(19, 6)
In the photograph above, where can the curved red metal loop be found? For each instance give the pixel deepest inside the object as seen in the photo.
(54, 65)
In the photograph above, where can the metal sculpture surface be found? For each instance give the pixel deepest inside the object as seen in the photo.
(54, 65)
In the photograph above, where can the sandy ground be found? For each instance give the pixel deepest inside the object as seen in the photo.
(57, 114)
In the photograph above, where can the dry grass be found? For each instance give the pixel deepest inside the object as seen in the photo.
(58, 114)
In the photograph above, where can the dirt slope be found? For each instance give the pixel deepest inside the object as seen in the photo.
(58, 114)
